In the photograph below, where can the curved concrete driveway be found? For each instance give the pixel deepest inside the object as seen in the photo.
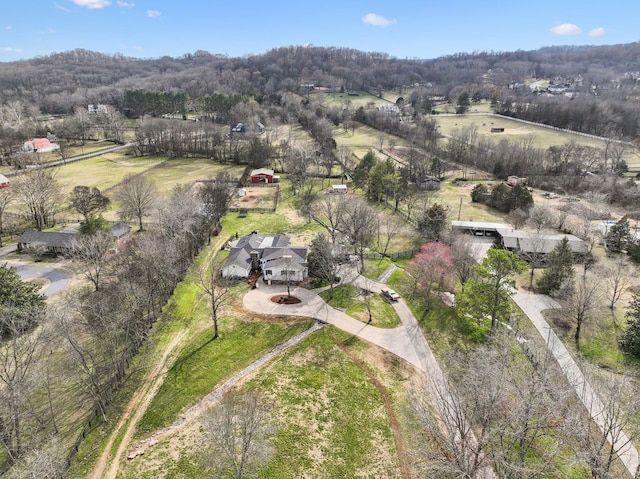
(394, 340)
(58, 281)
(406, 341)
(532, 305)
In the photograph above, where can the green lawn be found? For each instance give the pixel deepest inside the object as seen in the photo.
(102, 171)
(184, 171)
(350, 299)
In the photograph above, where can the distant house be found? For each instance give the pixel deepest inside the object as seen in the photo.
(99, 108)
(389, 108)
(516, 180)
(272, 255)
(40, 145)
(264, 175)
(428, 183)
(339, 189)
(4, 181)
(48, 242)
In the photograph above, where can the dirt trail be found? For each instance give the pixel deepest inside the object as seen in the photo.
(217, 394)
(403, 455)
(140, 401)
(138, 406)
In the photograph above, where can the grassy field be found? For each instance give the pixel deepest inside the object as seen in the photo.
(330, 417)
(515, 131)
(184, 171)
(102, 171)
(360, 99)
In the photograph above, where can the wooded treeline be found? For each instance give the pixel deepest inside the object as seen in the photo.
(60, 82)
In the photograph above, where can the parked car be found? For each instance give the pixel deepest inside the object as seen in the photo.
(390, 295)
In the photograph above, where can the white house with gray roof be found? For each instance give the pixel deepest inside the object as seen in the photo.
(272, 255)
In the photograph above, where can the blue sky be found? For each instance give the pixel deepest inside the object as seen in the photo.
(408, 29)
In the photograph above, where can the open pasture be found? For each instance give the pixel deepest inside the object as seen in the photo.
(101, 171)
(354, 101)
(514, 131)
(184, 171)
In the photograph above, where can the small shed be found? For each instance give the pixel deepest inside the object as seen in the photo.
(428, 183)
(4, 181)
(263, 175)
(339, 189)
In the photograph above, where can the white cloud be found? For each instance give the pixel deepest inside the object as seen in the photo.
(60, 7)
(11, 50)
(92, 4)
(598, 32)
(153, 13)
(566, 29)
(377, 20)
(8, 27)
(126, 4)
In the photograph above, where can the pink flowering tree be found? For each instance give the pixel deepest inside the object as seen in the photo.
(432, 269)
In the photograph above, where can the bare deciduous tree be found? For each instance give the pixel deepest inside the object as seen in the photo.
(91, 256)
(617, 277)
(17, 360)
(6, 198)
(216, 195)
(583, 301)
(329, 213)
(617, 414)
(359, 223)
(501, 410)
(39, 192)
(137, 196)
(210, 283)
(238, 431)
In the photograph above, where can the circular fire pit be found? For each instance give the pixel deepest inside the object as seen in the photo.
(284, 299)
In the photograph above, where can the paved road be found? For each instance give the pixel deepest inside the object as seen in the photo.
(532, 305)
(58, 281)
(72, 159)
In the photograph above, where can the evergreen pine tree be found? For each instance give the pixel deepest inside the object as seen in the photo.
(559, 268)
(630, 338)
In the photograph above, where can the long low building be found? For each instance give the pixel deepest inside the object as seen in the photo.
(530, 243)
(478, 228)
(519, 241)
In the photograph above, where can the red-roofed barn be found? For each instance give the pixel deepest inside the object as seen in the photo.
(40, 145)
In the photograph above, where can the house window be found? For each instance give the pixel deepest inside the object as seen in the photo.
(268, 271)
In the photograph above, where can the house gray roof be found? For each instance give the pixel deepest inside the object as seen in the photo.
(49, 239)
(269, 248)
(294, 256)
(526, 242)
(240, 257)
